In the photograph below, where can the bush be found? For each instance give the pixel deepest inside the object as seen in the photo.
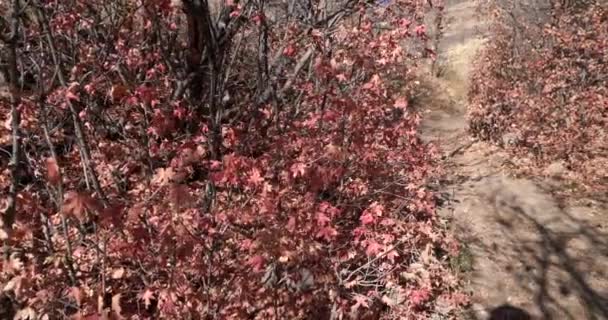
(541, 89)
(245, 161)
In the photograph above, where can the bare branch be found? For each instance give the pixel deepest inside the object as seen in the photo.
(8, 217)
(80, 135)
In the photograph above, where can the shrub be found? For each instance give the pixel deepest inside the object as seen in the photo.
(541, 89)
(247, 161)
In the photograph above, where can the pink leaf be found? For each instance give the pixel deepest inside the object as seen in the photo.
(298, 169)
(401, 103)
(367, 218)
(255, 178)
(257, 262)
(360, 301)
(71, 96)
(418, 297)
(322, 219)
(420, 30)
(373, 248)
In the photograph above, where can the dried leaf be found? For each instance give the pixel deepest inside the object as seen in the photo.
(360, 301)
(401, 103)
(77, 294)
(179, 196)
(307, 280)
(26, 314)
(257, 262)
(13, 285)
(71, 93)
(118, 273)
(147, 296)
(118, 92)
(52, 171)
(116, 306)
(163, 176)
(77, 204)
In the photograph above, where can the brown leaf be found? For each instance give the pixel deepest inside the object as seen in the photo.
(13, 285)
(118, 92)
(52, 171)
(14, 264)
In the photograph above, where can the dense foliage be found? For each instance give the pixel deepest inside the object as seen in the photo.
(225, 160)
(541, 87)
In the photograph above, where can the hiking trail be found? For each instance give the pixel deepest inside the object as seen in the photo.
(523, 247)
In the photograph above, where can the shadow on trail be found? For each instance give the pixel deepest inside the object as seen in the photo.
(507, 312)
(558, 258)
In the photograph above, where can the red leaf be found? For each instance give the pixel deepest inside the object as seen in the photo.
(291, 224)
(360, 301)
(401, 103)
(112, 214)
(322, 219)
(257, 262)
(71, 96)
(420, 30)
(77, 294)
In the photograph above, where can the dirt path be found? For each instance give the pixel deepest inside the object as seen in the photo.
(525, 248)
